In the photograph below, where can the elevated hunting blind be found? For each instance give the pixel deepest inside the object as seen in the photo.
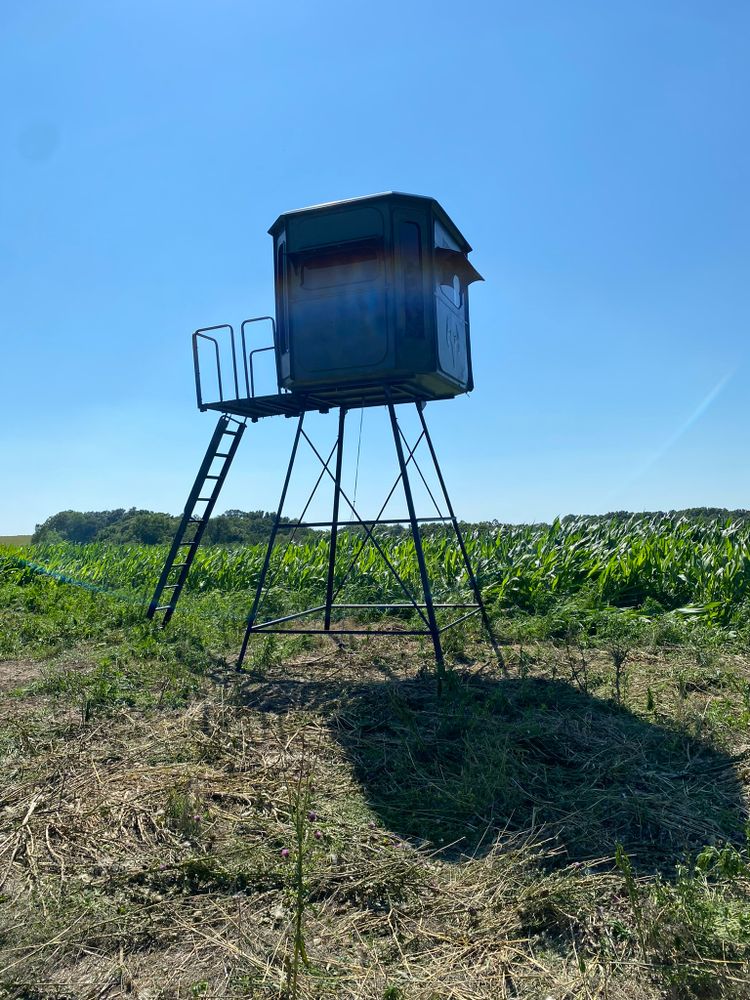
(372, 292)
(372, 309)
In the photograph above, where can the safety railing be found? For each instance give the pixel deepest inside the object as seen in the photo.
(224, 356)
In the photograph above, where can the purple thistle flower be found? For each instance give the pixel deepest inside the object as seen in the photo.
(284, 853)
(317, 835)
(312, 816)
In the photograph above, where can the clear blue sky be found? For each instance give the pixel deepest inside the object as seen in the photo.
(595, 154)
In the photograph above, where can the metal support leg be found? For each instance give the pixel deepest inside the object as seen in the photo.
(269, 549)
(461, 544)
(430, 608)
(334, 521)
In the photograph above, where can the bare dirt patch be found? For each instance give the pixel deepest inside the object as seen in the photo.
(18, 673)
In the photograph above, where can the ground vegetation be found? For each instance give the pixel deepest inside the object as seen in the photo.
(568, 822)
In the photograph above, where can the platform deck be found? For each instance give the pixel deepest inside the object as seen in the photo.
(293, 404)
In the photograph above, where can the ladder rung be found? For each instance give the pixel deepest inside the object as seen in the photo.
(170, 586)
(221, 454)
(207, 499)
(196, 520)
(163, 607)
(212, 477)
(177, 566)
(188, 543)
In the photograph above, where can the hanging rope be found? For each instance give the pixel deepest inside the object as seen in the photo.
(359, 448)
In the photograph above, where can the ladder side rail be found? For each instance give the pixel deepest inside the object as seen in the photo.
(202, 521)
(187, 513)
(188, 519)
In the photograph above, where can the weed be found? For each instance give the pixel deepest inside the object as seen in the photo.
(184, 813)
(264, 654)
(578, 664)
(455, 642)
(305, 837)
(619, 633)
(634, 896)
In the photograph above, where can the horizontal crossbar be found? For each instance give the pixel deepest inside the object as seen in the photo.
(357, 524)
(364, 607)
(359, 607)
(336, 631)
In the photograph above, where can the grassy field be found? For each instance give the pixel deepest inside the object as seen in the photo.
(15, 540)
(571, 824)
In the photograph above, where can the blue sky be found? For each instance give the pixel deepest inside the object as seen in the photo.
(594, 154)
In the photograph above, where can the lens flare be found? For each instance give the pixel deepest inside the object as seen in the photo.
(672, 440)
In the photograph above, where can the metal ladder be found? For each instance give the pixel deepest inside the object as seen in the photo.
(198, 510)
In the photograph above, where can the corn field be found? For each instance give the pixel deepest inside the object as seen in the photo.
(700, 567)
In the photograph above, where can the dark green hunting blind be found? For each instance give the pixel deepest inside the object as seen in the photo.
(372, 292)
(372, 309)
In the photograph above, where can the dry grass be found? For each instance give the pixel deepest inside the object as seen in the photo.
(466, 845)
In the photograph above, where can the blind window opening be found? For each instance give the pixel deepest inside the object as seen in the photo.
(341, 267)
(451, 289)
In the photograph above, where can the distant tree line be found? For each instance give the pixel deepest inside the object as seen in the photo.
(240, 527)
(148, 527)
